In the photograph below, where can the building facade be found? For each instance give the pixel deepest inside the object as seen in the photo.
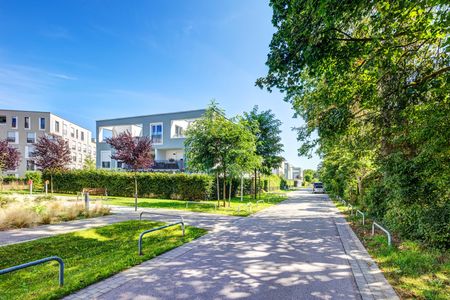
(23, 128)
(166, 132)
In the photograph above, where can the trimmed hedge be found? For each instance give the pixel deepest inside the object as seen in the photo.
(151, 185)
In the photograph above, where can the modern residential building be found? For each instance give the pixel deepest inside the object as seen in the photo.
(166, 132)
(288, 171)
(23, 128)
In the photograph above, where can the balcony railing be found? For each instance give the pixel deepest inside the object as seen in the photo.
(168, 165)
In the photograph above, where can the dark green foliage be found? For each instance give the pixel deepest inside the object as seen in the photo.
(371, 78)
(158, 185)
(36, 176)
(266, 128)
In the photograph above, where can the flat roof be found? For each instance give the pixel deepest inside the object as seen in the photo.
(153, 115)
(44, 112)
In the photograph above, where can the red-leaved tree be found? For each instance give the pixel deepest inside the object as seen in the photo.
(51, 154)
(134, 152)
(9, 158)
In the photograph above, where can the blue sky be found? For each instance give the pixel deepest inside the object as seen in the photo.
(88, 59)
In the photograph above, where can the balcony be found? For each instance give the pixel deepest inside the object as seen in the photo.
(168, 165)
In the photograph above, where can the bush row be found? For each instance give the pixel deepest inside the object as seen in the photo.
(153, 185)
(156, 185)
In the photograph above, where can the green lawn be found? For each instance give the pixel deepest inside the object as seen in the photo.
(415, 272)
(269, 200)
(89, 256)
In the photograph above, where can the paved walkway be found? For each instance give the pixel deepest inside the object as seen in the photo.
(203, 220)
(299, 249)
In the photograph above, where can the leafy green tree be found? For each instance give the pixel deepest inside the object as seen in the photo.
(371, 78)
(219, 146)
(89, 163)
(266, 128)
(309, 175)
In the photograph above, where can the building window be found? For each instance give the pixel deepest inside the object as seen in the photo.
(56, 126)
(119, 165)
(74, 146)
(105, 158)
(72, 132)
(2, 120)
(13, 137)
(64, 129)
(42, 123)
(31, 137)
(156, 133)
(26, 122)
(82, 135)
(76, 136)
(79, 146)
(29, 151)
(14, 122)
(31, 166)
(74, 158)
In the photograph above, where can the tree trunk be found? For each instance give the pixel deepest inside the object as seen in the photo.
(242, 187)
(135, 191)
(259, 185)
(51, 182)
(218, 190)
(224, 188)
(256, 184)
(229, 193)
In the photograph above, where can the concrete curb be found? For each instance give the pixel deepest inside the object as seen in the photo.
(369, 278)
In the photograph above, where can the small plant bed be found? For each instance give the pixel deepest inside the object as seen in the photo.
(89, 256)
(44, 210)
(415, 272)
(268, 200)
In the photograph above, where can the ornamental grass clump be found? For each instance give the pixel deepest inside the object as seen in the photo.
(27, 214)
(17, 216)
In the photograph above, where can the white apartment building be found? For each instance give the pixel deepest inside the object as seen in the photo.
(23, 128)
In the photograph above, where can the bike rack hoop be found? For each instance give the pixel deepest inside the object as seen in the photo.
(38, 262)
(259, 201)
(383, 229)
(159, 214)
(156, 229)
(362, 214)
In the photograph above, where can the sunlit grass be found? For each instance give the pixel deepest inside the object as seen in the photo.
(268, 199)
(89, 256)
(415, 272)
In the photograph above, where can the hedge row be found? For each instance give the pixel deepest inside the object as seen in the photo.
(153, 185)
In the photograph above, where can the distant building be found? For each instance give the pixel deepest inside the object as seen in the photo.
(166, 131)
(288, 171)
(23, 128)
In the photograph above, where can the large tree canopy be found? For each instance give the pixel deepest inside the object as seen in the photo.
(372, 79)
(266, 128)
(217, 145)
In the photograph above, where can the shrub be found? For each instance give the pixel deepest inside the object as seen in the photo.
(161, 185)
(36, 176)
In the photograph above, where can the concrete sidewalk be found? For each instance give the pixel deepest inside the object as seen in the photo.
(299, 249)
(120, 214)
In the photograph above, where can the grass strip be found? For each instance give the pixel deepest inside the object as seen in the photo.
(414, 271)
(89, 256)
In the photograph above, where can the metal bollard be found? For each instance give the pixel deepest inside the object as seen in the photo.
(86, 202)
